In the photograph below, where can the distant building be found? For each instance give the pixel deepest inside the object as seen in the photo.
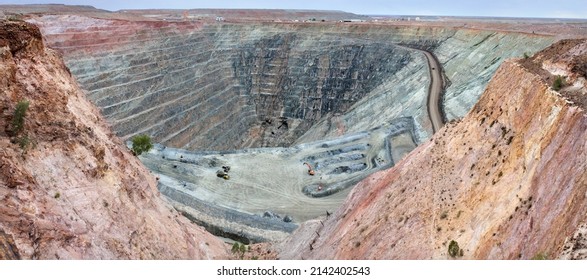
(352, 20)
(219, 18)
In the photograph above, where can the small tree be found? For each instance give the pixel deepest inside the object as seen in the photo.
(454, 250)
(558, 83)
(24, 142)
(141, 144)
(239, 249)
(18, 118)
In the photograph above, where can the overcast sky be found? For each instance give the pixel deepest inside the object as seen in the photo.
(505, 8)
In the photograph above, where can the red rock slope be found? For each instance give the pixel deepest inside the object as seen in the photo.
(508, 181)
(75, 191)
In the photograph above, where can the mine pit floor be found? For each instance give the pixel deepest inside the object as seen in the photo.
(276, 179)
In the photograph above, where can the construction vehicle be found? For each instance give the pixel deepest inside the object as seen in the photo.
(310, 170)
(222, 174)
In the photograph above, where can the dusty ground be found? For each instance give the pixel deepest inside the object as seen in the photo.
(402, 145)
(273, 179)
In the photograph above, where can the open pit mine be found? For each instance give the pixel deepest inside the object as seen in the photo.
(321, 139)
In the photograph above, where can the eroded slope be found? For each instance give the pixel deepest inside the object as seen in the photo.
(72, 190)
(506, 182)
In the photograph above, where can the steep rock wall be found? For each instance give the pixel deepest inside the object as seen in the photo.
(206, 87)
(224, 86)
(506, 182)
(470, 59)
(69, 188)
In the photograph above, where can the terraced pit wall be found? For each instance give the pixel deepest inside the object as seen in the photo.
(231, 86)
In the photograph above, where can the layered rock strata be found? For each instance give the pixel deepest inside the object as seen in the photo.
(227, 86)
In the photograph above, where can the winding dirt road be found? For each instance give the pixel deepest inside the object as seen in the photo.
(435, 89)
(434, 92)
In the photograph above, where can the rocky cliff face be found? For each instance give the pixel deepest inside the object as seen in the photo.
(228, 86)
(218, 86)
(69, 188)
(508, 181)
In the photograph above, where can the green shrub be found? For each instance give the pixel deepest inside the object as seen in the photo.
(558, 83)
(235, 247)
(239, 249)
(141, 144)
(526, 56)
(540, 257)
(444, 215)
(18, 118)
(24, 142)
(454, 250)
(14, 18)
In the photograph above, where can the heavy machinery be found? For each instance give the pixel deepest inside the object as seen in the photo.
(310, 170)
(222, 174)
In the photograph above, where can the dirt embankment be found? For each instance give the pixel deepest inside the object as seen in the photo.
(69, 188)
(565, 60)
